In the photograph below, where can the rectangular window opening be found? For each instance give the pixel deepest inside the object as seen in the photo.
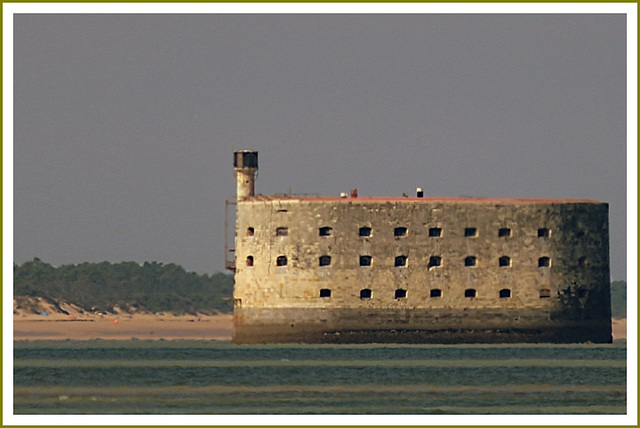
(365, 260)
(399, 232)
(400, 293)
(543, 232)
(364, 231)
(325, 231)
(400, 261)
(505, 232)
(504, 261)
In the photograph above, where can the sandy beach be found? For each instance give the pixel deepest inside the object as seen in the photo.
(619, 328)
(146, 327)
(35, 318)
(124, 327)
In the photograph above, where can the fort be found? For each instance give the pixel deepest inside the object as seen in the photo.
(352, 269)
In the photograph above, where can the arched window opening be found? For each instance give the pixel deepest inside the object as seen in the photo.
(435, 292)
(281, 261)
(470, 292)
(505, 293)
(544, 262)
(325, 292)
(250, 231)
(249, 261)
(400, 293)
(325, 231)
(504, 261)
(365, 293)
(399, 232)
(365, 260)
(364, 231)
(400, 261)
(470, 261)
(325, 260)
(282, 231)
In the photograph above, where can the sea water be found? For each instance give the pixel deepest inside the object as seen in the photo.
(210, 377)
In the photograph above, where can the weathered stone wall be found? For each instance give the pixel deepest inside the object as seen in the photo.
(554, 273)
(478, 325)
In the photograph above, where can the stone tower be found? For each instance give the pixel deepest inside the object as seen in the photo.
(245, 165)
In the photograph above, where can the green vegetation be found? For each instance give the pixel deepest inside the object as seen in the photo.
(153, 287)
(618, 299)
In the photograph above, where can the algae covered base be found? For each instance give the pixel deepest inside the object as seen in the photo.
(413, 327)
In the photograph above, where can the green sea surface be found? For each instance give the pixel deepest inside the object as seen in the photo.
(209, 377)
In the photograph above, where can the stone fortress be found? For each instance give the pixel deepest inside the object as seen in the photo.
(353, 269)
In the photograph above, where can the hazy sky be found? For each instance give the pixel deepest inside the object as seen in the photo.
(125, 125)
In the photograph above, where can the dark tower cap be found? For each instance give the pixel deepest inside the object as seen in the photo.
(245, 159)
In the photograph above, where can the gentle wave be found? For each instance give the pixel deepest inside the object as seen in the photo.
(175, 391)
(469, 363)
(300, 399)
(197, 378)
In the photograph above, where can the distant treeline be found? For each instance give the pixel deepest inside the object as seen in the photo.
(153, 287)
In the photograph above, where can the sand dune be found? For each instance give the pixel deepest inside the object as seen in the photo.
(41, 319)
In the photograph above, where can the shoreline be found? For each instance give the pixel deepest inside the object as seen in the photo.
(124, 326)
